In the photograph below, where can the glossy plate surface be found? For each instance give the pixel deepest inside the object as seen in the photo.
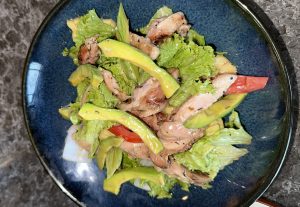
(230, 27)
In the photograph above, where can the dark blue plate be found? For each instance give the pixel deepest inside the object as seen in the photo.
(231, 27)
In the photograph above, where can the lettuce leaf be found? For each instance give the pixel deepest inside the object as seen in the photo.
(192, 60)
(123, 35)
(84, 27)
(212, 153)
(196, 37)
(88, 133)
(162, 12)
(189, 88)
(90, 25)
(118, 69)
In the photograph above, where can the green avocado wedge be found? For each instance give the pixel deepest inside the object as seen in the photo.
(92, 112)
(217, 110)
(113, 48)
(113, 184)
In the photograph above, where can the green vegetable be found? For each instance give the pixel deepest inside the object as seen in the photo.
(122, 26)
(162, 12)
(113, 161)
(212, 153)
(104, 147)
(196, 37)
(92, 112)
(87, 26)
(120, 69)
(123, 35)
(86, 71)
(189, 88)
(113, 48)
(130, 162)
(217, 110)
(70, 112)
(193, 61)
(163, 191)
(214, 127)
(88, 133)
(113, 184)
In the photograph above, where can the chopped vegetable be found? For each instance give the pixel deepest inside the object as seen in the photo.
(113, 48)
(196, 37)
(217, 110)
(113, 161)
(113, 184)
(86, 71)
(104, 147)
(247, 84)
(92, 112)
(212, 153)
(129, 136)
(192, 60)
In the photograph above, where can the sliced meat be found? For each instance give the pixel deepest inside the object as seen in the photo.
(154, 121)
(165, 27)
(183, 29)
(89, 52)
(174, 72)
(176, 138)
(136, 150)
(180, 172)
(144, 44)
(147, 100)
(112, 85)
(203, 101)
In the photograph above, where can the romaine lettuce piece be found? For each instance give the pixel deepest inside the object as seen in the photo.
(192, 60)
(212, 153)
(113, 161)
(87, 26)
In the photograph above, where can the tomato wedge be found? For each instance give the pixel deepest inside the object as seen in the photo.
(125, 133)
(247, 84)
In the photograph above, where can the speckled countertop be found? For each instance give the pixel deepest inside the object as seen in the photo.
(23, 180)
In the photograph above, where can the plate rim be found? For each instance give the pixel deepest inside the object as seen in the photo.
(283, 69)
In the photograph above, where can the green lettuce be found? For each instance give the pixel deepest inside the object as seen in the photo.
(162, 12)
(88, 133)
(196, 37)
(84, 27)
(118, 69)
(123, 35)
(189, 88)
(192, 60)
(212, 153)
(90, 25)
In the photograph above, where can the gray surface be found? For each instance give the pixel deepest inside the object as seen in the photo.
(23, 181)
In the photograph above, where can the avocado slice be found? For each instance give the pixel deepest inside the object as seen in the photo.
(217, 110)
(113, 48)
(113, 184)
(104, 146)
(92, 112)
(86, 71)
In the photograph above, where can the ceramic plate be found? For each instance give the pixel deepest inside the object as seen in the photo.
(231, 27)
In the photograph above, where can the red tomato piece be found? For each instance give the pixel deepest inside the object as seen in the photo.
(247, 84)
(125, 133)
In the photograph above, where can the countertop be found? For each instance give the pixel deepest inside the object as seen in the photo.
(23, 180)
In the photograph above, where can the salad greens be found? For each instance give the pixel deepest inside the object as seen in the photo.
(98, 110)
(212, 153)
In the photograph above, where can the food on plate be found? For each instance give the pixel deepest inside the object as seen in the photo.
(151, 103)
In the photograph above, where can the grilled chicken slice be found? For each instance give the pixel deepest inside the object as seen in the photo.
(89, 52)
(147, 100)
(166, 26)
(144, 44)
(203, 101)
(112, 85)
(180, 172)
(136, 150)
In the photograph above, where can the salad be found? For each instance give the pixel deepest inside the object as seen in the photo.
(150, 103)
